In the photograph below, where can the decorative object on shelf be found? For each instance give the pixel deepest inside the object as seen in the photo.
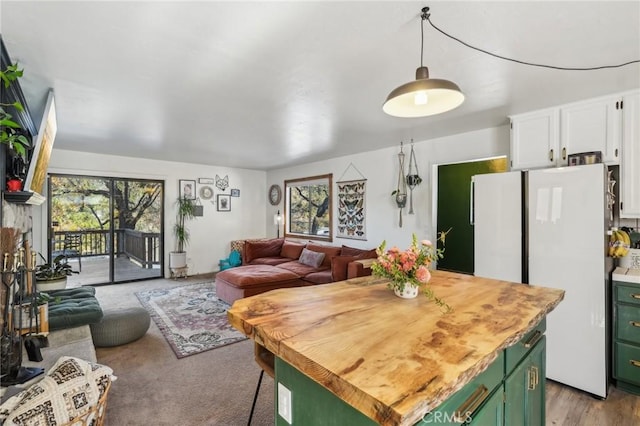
(401, 192)
(187, 189)
(206, 181)
(222, 183)
(277, 221)
(275, 194)
(424, 96)
(235, 192)
(37, 173)
(224, 202)
(583, 158)
(410, 268)
(14, 185)
(206, 192)
(413, 178)
(352, 206)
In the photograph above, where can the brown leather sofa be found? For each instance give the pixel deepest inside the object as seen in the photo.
(275, 263)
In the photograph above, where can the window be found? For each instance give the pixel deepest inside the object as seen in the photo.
(308, 207)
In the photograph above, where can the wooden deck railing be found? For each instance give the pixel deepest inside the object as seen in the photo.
(140, 247)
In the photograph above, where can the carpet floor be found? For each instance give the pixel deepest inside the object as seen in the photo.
(190, 317)
(215, 387)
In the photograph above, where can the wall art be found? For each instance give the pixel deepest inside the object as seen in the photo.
(235, 192)
(224, 203)
(222, 183)
(352, 209)
(188, 189)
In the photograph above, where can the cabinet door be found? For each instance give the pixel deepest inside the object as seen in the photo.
(491, 413)
(524, 390)
(630, 162)
(534, 140)
(594, 125)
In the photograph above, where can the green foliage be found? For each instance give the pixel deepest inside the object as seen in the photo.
(9, 129)
(58, 268)
(185, 211)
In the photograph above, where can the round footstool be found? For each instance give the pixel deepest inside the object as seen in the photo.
(120, 326)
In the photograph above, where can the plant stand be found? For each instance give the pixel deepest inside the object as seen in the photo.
(179, 272)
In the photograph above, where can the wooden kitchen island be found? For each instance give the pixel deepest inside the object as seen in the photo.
(353, 353)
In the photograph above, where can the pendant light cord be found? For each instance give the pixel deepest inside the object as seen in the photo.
(426, 16)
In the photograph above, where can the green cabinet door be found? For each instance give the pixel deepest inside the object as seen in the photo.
(491, 412)
(525, 389)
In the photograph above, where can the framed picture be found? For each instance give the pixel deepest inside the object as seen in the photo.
(224, 203)
(188, 189)
(206, 181)
(235, 192)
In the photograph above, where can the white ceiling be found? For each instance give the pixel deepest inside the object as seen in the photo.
(263, 85)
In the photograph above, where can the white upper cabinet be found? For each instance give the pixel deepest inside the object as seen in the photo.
(535, 139)
(593, 125)
(546, 138)
(630, 161)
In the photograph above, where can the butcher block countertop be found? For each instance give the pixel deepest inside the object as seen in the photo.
(393, 359)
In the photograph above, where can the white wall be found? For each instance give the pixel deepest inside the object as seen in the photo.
(210, 234)
(380, 168)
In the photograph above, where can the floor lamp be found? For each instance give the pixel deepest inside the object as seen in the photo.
(277, 220)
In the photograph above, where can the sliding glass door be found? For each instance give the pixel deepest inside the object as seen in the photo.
(109, 228)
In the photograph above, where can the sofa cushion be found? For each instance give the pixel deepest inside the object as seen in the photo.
(273, 261)
(322, 277)
(311, 258)
(329, 252)
(339, 266)
(352, 251)
(265, 248)
(251, 275)
(300, 269)
(73, 307)
(291, 250)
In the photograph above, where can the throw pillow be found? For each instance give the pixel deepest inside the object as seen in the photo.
(364, 254)
(291, 250)
(311, 258)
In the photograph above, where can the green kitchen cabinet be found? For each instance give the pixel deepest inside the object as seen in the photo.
(524, 389)
(626, 336)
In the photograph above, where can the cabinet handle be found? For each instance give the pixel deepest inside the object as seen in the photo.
(635, 295)
(634, 323)
(564, 153)
(531, 380)
(634, 362)
(536, 376)
(616, 152)
(472, 403)
(550, 155)
(535, 338)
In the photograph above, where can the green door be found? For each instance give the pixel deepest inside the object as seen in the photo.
(454, 200)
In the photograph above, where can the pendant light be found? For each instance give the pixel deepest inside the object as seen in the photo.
(424, 96)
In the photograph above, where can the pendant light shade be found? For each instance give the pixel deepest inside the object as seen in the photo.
(424, 96)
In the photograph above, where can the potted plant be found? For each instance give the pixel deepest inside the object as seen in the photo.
(53, 276)
(185, 211)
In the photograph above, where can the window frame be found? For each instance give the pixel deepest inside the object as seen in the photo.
(290, 183)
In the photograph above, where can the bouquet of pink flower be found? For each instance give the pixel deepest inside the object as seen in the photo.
(410, 267)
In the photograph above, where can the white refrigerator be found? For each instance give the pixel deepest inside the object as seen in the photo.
(549, 227)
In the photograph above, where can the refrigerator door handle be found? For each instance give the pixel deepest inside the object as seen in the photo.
(471, 201)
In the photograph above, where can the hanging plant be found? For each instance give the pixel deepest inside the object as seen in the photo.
(401, 192)
(10, 133)
(413, 178)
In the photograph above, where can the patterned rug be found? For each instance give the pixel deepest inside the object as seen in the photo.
(190, 317)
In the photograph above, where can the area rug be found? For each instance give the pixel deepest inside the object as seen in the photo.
(190, 317)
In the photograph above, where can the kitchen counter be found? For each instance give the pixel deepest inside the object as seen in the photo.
(393, 359)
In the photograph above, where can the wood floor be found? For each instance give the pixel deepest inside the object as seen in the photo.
(570, 407)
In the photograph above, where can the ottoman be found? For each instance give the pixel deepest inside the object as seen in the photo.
(120, 326)
(244, 281)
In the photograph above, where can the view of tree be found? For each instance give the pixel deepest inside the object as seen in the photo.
(81, 203)
(309, 209)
